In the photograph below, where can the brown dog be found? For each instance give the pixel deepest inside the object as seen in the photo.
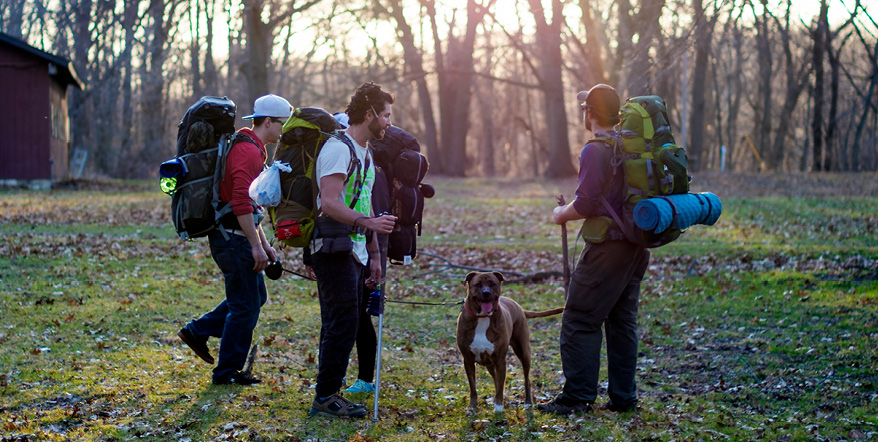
(488, 324)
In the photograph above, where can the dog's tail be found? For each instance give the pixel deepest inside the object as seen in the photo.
(555, 311)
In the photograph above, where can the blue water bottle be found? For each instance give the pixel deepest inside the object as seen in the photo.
(375, 304)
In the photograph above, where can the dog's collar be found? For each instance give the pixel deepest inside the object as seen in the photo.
(480, 316)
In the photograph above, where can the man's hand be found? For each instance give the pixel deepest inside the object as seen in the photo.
(374, 271)
(260, 257)
(558, 215)
(381, 224)
(272, 254)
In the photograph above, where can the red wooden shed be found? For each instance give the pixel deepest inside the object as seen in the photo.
(34, 122)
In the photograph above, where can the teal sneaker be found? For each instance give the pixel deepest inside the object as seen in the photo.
(361, 386)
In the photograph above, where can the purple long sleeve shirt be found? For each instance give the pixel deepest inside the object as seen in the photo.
(597, 178)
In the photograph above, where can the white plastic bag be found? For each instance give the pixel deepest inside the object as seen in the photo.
(265, 189)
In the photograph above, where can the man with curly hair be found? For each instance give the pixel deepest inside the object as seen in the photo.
(340, 250)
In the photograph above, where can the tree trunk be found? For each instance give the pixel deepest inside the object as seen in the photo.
(258, 48)
(796, 80)
(195, 51)
(818, 34)
(763, 111)
(640, 68)
(592, 70)
(548, 40)
(129, 23)
(152, 77)
(867, 104)
(13, 11)
(840, 161)
(455, 73)
(414, 70)
(259, 39)
(211, 79)
(703, 38)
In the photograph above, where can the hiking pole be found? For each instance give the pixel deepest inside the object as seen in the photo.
(251, 358)
(561, 202)
(375, 306)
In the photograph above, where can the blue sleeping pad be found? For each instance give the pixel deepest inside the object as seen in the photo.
(677, 211)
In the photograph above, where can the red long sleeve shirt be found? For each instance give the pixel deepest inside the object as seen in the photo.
(243, 165)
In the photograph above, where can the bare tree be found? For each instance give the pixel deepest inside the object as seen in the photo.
(414, 70)
(12, 17)
(548, 49)
(704, 26)
(260, 37)
(455, 72)
(637, 34)
(818, 37)
(766, 70)
(796, 71)
(869, 97)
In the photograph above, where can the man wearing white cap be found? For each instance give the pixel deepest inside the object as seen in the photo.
(242, 252)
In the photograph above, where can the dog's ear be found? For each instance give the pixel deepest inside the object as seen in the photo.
(499, 276)
(469, 277)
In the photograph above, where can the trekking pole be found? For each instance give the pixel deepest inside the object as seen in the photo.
(375, 306)
(561, 202)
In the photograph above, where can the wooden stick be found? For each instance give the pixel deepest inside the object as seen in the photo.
(251, 358)
(561, 202)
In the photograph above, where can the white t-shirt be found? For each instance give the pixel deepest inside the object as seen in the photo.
(335, 158)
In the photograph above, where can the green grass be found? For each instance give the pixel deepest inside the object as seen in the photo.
(762, 327)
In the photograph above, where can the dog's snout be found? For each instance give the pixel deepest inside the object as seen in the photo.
(486, 290)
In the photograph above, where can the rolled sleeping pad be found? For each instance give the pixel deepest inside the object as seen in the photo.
(677, 211)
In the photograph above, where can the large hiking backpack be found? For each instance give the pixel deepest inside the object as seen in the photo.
(653, 165)
(398, 155)
(304, 134)
(205, 136)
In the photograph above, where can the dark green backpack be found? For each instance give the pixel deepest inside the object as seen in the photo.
(304, 134)
(205, 136)
(653, 164)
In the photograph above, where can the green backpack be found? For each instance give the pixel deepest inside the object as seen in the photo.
(304, 134)
(653, 164)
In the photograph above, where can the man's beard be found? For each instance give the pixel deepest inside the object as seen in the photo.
(376, 129)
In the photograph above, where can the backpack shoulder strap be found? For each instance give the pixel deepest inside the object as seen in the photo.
(354, 168)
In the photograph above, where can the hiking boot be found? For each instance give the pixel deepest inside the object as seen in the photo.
(620, 409)
(239, 378)
(564, 407)
(199, 346)
(336, 406)
(361, 386)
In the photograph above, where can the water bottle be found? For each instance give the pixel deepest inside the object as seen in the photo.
(168, 185)
(374, 306)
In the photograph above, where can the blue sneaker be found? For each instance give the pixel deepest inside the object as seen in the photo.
(361, 386)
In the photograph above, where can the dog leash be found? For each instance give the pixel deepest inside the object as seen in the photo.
(425, 303)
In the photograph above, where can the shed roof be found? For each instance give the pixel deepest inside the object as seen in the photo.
(66, 73)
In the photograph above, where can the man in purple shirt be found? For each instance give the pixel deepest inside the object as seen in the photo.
(605, 285)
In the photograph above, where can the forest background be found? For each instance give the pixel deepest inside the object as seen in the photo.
(488, 86)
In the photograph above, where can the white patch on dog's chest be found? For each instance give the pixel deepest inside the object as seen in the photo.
(481, 344)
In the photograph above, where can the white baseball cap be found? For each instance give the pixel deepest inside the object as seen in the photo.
(270, 106)
(342, 119)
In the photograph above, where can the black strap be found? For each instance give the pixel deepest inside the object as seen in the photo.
(354, 168)
(626, 229)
